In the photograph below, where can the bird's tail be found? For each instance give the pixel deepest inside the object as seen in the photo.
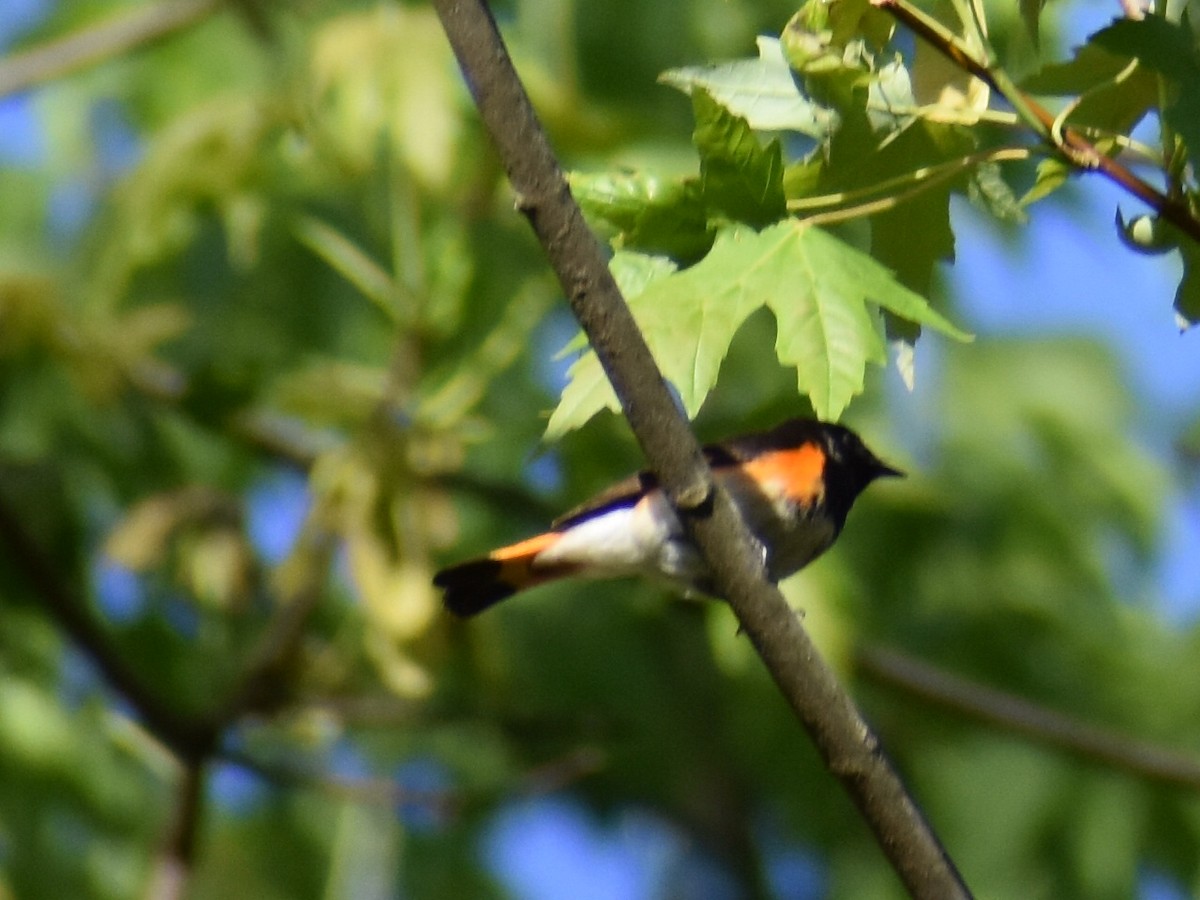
(474, 585)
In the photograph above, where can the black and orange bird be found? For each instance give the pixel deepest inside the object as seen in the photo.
(794, 485)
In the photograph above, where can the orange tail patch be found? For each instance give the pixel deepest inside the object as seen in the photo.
(474, 585)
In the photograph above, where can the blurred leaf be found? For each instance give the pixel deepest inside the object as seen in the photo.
(1111, 815)
(377, 509)
(196, 534)
(366, 853)
(386, 73)
(341, 253)
(141, 539)
(331, 391)
(30, 315)
(1031, 11)
(1187, 296)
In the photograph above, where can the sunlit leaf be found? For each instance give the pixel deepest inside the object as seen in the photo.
(762, 91)
(826, 298)
(890, 101)
(648, 212)
(1051, 175)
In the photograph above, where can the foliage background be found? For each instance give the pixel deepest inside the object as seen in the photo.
(271, 336)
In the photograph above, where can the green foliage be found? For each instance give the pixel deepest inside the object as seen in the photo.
(826, 298)
(1168, 49)
(762, 91)
(310, 271)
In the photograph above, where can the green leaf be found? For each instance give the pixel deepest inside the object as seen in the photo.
(826, 297)
(634, 272)
(988, 190)
(650, 213)
(763, 91)
(834, 71)
(1168, 48)
(1090, 66)
(350, 260)
(587, 393)
(890, 88)
(1031, 11)
(1114, 95)
(740, 179)
(1187, 296)
(914, 235)
(1051, 175)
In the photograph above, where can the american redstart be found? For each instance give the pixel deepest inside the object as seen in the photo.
(794, 486)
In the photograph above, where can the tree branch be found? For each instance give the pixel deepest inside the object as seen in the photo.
(898, 670)
(263, 685)
(849, 748)
(97, 43)
(177, 730)
(1070, 142)
(172, 869)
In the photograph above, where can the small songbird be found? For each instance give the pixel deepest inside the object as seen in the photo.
(794, 486)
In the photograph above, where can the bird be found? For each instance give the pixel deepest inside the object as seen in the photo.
(793, 484)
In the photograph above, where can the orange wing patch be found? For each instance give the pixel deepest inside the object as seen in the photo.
(517, 562)
(527, 548)
(796, 473)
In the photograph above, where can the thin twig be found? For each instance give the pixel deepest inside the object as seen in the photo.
(92, 45)
(1030, 720)
(917, 182)
(1072, 144)
(849, 748)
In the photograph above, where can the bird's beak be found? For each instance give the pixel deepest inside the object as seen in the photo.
(883, 470)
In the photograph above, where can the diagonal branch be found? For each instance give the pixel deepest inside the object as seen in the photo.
(1070, 142)
(1030, 720)
(107, 40)
(180, 731)
(849, 748)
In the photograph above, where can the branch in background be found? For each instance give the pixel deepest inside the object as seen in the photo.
(186, 737)
(849, 748)
(98, 43)
(172, 869)
(263, 685)
(1070, 142)
(193, 738)
(893, 669)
